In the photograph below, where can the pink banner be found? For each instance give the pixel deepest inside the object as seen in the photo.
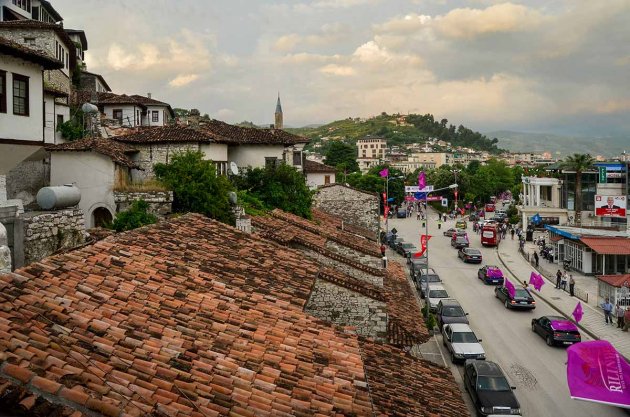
(422, 180)
(510, 288)
(536, 280)
(597, 372)
(384, 173)
(563, 326)
(495, 273)
(578, 312)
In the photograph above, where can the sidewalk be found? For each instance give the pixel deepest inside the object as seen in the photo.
(593, 320)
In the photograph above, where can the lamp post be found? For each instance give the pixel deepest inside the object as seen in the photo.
(387, 180)
(426, 233)
(455, 172)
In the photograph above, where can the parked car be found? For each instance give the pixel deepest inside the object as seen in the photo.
(459, 242)
(416, 264)
(393, 242)
(404, 249)
(449, 311)
(421, 279)
(489, 389)
(434, 294)
(460, 224)
(522, 298)
(556, 330)
(401, 213)
(470, 255)
(490, 274)
(461, 342)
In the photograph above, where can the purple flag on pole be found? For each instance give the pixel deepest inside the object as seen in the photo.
(536, 280)
(510, 288)
(578, 312)
(384, 173)
(597, 372)
(422, 180)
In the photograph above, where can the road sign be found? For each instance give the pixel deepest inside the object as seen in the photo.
(445, 202)
(602, 175)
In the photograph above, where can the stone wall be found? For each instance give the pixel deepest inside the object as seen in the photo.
(343, 307)
(47, 232)
(149, 155)
(160, 202)
(343, 267)
(353, 206)
(354, 254)
(26, 179)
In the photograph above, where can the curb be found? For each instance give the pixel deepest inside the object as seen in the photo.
(587, 331)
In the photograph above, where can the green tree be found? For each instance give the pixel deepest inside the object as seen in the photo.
(578, 163)
(280, 187)
(136, 216)
(196, 186)
(339, 153)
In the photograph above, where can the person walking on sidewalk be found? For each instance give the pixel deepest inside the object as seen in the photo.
(558, 278)
(607, 307)
(536, 259)
(571, 284)
(626, 320)
(620, 313)
(512, 233)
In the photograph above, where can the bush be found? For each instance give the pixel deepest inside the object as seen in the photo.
(136, 216)
(70, 130)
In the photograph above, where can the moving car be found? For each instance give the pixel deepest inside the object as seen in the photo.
(401, 213)
(415, 265)
(490, 234)
(459, 242)
(460, 224)
(449, 311)
(489, 389)
(489, 208)
(490, 274)
(556, 330)
(450, 232)
(462, 343)
(470, 255)
(434, 295)
(522, 298)
(421, 280)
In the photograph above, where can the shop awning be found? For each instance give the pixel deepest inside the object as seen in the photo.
(556, 238)
(608, 245)
(615, 280)
(561, 232)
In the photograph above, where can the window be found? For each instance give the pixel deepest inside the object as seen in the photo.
(67, 60)
(117, 113)
(3, 92)
(59, 119)
(297, 158)
(20, 95)
(270, 162)
(155, 116)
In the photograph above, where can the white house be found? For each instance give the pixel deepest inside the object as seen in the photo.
(40, 10)
(135, 110)
(21, 105)
(318, 174)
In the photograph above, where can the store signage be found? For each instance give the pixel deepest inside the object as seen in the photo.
(610, 205)
(615, 175)
(602, 175)
(416, 189)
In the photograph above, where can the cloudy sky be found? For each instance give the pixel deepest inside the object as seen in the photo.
(560, 66)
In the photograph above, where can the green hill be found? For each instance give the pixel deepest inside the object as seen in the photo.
(398, 129)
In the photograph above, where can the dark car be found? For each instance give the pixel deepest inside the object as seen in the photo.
(394, 241)
(490, 274)
(489, 389)
(460, 242)
(450, 311)
(470, 255)
(522, 298)
(405, 249)
(473, 217)
(401, 213)
(556, 330)
(452, 231)
(416, 264)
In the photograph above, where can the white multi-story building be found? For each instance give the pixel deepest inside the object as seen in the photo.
(39, 10)
(371, 152)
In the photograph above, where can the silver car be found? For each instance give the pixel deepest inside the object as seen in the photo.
(461, 342)
(434, 295)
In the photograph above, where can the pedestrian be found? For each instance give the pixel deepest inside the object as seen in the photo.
(620, 312)
(536, 259)
(607, 307)
(558, 278)
(626, 319)
(563, 282)
(512, 232)
(525, 284)
(383, 249)
(571, 284)
(439, 223)
(418, 215)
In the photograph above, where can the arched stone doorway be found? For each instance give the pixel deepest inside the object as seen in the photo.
(101, 217)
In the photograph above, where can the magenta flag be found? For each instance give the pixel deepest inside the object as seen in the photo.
(422, 180)
(536, 280)
(597, 372)
(578, 312)
(384, 173)
(510, 288)
(495, 273)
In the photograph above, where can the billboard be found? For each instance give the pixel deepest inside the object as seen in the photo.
(610, 205)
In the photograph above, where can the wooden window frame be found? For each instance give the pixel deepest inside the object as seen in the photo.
(155, 116)
(3, 91)
(25, 79)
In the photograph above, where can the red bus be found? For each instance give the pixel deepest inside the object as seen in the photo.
(490, 235)
(489, 207)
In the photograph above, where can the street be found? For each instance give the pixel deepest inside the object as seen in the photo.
(537, 370)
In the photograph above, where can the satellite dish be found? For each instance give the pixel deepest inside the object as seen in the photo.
(233, 168)
(89, 108)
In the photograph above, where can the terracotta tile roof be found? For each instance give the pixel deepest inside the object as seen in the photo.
(351, 188)
(615, 280)
(121, 99)
(163, 134)
(77, 98)
(118, 152)
(34, 24)
(99, 76)
(401, 385)
(608, 245)
(312, 166)
(17, 400)
(322, 217)
(231, 134)
(330, 231)
(8, 47)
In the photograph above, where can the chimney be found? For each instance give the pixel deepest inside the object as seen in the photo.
(149, 95)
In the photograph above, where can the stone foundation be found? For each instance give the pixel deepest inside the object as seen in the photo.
(160, 202)
(47, 232)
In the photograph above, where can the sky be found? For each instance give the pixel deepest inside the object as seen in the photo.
(557, 66)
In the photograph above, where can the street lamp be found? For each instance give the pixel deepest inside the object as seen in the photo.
(455, 172)
(387, 180)
(426, 233)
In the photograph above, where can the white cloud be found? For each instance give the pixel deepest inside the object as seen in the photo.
(183, 79)
(343, 71)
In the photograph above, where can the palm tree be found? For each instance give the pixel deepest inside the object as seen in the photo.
(578, 163)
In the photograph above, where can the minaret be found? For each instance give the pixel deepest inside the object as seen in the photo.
(278, 124)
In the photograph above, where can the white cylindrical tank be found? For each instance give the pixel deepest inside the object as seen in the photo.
(50, 198)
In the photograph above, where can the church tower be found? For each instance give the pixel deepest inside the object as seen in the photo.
(278, 124)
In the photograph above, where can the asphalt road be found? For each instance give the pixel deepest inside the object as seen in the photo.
(536, 370)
